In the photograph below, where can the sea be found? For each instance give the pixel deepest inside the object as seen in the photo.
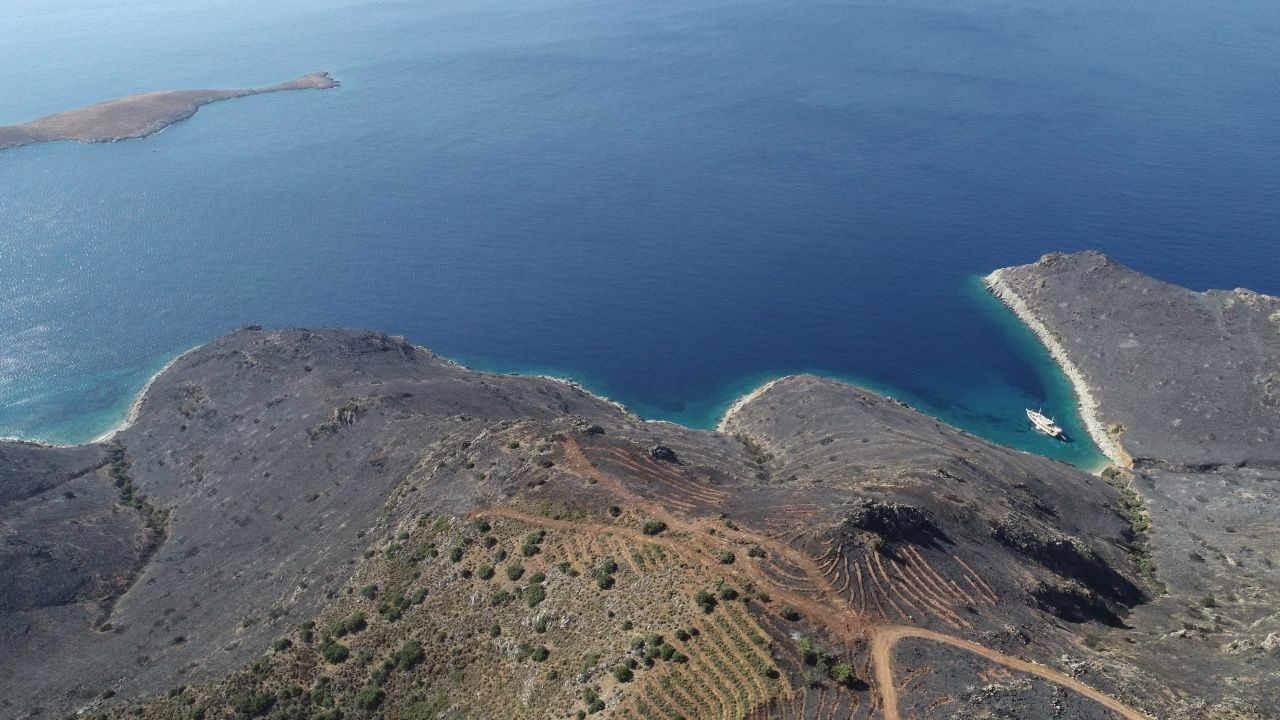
(669, 202)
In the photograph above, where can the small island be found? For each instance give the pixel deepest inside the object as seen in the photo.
(138, 116)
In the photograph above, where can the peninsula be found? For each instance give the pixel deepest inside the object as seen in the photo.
(138, 116)
(329, 523)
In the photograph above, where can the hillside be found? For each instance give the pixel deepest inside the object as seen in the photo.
(333, 523)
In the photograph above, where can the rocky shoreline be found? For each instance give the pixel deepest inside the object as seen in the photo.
(1086, 403)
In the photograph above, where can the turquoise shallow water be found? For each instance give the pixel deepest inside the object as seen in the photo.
(668, 202)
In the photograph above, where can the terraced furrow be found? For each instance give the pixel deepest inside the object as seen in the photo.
(911, 583)
(744, 692)
(957, 593)
(719, 683)
(687, 701)
(740, 665)
(862, 593)
(978, 581)
(886, 587)
(881, 595)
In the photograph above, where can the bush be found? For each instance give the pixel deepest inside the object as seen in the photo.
(540, 626)
(369, 591)
(534, 595)
(786, 612)
(455, 554)
(255, 705)
(623, 674)
(541, 653)
(350, 625)
(335, 652)
(529, 550)
(705, 600)
(653, 527)
(842, 673)
(485, 572)
(604, 582)
(538, 577)
(727, 593)
(370, 698)
(515, 571)
(409, 655)
(282, 644)
(726, 558)
(755, 551)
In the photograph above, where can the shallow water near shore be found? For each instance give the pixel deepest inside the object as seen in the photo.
(668, 203)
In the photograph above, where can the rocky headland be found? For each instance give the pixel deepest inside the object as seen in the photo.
(338, 524)
(1182, 389)
(138, 116)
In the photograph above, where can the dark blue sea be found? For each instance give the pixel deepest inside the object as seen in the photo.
(669, 202)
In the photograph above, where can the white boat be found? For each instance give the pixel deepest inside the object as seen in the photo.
(1044, 424)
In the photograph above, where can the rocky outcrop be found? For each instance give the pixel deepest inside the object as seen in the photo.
(896, 522)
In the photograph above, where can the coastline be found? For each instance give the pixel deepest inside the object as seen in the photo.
(1086, 403)
(136, 406)
(742, 402)
(1109, 448)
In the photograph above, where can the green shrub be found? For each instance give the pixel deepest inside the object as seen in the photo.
(604, 582)
(726, 557)
(370, 698)
(540, 653)
(540, 626)
(455, 554)
(653, 527)
(705, 600)
(623, 674)
(369, 591)
(484, 572)
(786, 612)
(727, 593)
(755, 551)
(256, 704)
(538, 577)
(515, 571)
(335, 652)
(350, 625)
(409, 655)
(282, 644)
(534, 595)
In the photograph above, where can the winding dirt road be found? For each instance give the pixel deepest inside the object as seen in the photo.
(884, 637)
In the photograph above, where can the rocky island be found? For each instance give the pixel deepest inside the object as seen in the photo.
(138, 116)
(338, 524)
